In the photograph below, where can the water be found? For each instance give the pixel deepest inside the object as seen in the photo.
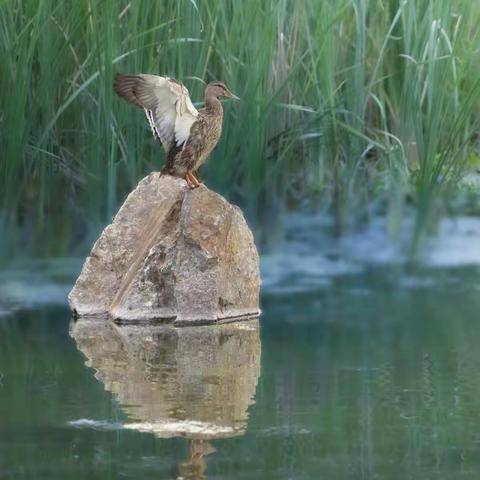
(368, 371)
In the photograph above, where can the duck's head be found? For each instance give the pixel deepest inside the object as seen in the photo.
(219, 89)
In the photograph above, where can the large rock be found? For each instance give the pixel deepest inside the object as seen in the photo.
(171, 254)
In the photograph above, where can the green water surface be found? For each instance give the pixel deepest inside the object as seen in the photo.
(373, 376)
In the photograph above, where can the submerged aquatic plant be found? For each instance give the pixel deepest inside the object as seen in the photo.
(345, 103)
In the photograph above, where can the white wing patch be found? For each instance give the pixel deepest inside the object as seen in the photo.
(167, 105)
(174, 114)
(186, 113)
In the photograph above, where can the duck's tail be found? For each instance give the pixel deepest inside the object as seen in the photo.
(172, 166)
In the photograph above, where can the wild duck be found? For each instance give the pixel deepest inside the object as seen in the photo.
(187, 135)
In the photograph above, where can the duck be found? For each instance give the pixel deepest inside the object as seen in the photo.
(187, 135)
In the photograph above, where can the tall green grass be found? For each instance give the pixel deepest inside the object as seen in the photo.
(347, 105)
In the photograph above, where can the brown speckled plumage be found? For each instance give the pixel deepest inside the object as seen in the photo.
(187, 135)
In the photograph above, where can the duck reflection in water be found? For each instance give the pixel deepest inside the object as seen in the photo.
(192, 382)
(195, 467)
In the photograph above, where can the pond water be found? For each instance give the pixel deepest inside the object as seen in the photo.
(357, 371)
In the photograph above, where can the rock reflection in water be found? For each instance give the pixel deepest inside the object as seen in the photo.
(193, 382)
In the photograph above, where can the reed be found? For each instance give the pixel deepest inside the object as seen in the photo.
(351, 106)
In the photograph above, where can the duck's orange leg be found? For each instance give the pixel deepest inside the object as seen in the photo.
(192, 181)
(197, 181)
(189, 180)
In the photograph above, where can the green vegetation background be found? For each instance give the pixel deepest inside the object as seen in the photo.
(351, 106)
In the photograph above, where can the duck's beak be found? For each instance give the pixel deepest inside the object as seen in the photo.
(233, 96)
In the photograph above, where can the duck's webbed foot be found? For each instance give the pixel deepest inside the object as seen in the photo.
(192, 181)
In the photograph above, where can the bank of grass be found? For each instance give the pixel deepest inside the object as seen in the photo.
(347, 105)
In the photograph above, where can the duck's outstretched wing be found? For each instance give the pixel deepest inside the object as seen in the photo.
(166, 102)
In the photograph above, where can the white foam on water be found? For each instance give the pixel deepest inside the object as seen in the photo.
(96, 424)
(283, 430)
(36, 284)
(167, 428)
(180, 426)
(311, 257)
(457, 243)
